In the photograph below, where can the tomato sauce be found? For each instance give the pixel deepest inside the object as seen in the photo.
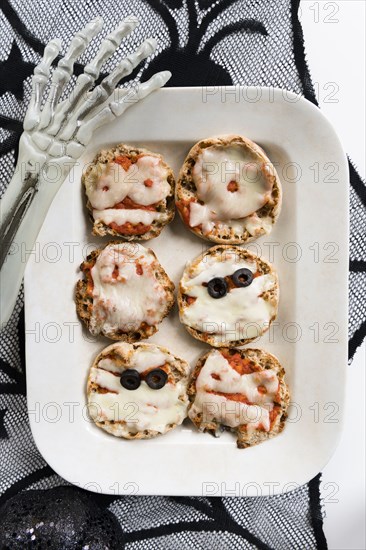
(238, 397)
(139, 269)
(129, 229)
(123, 161)
(240, 364)
(184, 208)
(129, 204)
(86, 269)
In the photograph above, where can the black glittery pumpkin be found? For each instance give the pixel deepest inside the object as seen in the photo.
(63, 518)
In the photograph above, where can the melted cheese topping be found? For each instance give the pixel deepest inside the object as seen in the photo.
(254, 224)
(242, 313)
(217, 375)
(122, 297)
(217, 168)
(133, 216)
(140, 409)
(113, 184)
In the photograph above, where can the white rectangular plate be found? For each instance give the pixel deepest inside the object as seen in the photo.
(308, 246)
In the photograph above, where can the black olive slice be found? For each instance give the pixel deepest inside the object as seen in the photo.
(130, 379)
(217, 287)
(156, 379)
(242, 277)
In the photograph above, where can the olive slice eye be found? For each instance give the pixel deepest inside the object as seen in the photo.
(217, 287)
(130, 379)
(242, 277)
(156, 379)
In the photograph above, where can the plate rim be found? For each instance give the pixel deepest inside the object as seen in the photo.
(320, 115)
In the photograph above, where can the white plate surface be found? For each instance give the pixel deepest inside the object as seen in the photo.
(308, 246)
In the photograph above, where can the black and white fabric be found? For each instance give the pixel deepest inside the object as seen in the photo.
(203, 42)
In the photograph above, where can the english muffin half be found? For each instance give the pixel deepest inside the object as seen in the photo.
(130, 193)
(137, 391)
(228, 296)
(241, 390)
(125, 292)
(228, 191)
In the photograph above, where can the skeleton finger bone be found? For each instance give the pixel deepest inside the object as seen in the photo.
(116, 108)
(63, 72)
(102, 92)
(40, 78)
(91, 72)
(28, 196)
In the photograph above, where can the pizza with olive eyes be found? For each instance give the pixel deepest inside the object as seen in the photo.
(228, 296)
(125, 292)
(137, 391)
(130, 193)
(228, 191)
(241, 390)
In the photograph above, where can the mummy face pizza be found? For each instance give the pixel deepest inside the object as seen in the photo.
(130, 193)
(125, 293)
(137, 391)
(240, 390)
(228, 296)
(228, 190)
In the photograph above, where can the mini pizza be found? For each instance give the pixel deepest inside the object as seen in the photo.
(241, 390)
(125, 292)
(137, 391)
(228, 296)
(130, 193)
(228, 191)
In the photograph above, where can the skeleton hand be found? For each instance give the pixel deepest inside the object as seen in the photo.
(54, 138)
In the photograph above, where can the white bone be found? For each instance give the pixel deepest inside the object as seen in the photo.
(40, 77)
(116, 108)
(57, 149)
(74, 150)
(28, 196)
(110, 45)
(142, 90)
(91, 73)
(63, 72)
(102, 92)
(42, 140)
